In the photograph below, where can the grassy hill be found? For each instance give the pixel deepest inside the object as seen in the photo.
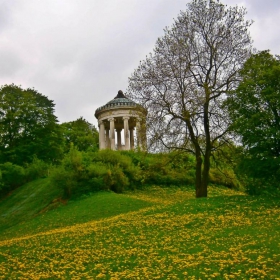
(155, 233)
(27, 201)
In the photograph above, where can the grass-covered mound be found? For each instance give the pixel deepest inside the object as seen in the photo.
(154, 233)
(28, 201)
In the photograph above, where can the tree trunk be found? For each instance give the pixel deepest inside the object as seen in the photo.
(198, 167)
(198, 181)
(205, 174)
(202, 192)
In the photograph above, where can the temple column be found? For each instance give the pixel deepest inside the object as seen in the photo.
(119, 139)
(131, 138)
(138, 134)
(112, 133)
(101, 135)
(107, 141)
(126, 133)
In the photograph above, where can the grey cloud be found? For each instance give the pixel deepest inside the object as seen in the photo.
(263, 8)
(11, 63)
(4, 15)
(80, 53)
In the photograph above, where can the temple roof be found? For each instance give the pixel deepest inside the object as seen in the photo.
(121, 98)
(120, 95)
(119, 101)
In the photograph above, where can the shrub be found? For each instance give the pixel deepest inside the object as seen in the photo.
(65, 180)
(113, 158)
(36, 169)
(118, 171)
(225, 177)
(120, 163)
(259, 175)
(84, 172)
(169, 169)
(116, 179)
(96, 175)
(12, 176)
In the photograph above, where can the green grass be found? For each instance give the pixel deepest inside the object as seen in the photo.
(27, 210)
(150, 234)
(27, 201)
(94, 207)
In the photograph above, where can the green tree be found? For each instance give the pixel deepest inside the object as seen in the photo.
(28, 126)
(184, 82)
(255, 112)
(81, 134)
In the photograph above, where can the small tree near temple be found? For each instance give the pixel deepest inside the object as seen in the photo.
(186, 79)
(82, 134)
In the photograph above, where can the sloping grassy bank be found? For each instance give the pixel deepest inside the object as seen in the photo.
(28, 201)
(170, 236)
(97, 206)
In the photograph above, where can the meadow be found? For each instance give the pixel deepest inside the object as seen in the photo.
(153, 233)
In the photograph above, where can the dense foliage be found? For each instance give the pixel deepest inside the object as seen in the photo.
(81, 134)
(13, 176)
(31, 140)
(85, 172)
(28, 126)
(255, 113)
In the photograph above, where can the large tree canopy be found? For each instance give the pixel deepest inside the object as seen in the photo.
(184, 82)
(255, 112)
(28, 126)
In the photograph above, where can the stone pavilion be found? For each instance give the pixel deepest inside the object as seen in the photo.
(117, 120)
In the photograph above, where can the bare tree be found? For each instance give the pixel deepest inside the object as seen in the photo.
(185, 81)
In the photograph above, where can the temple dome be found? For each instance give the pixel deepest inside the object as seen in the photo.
(121, 98)
(119, 101)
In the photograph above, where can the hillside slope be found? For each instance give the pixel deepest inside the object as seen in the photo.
(36, 207)
(170, 236)
(27, 201)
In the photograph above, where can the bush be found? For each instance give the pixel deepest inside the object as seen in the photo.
(169, 169)
(12, 176)
(37, 169)
(131, 174)
(257, 186)
(65, 180)
(85, 172)
(225, 177)
(96, 174)
(116, 179)
(260, 176)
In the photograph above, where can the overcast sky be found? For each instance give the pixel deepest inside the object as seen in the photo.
(79, 53)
